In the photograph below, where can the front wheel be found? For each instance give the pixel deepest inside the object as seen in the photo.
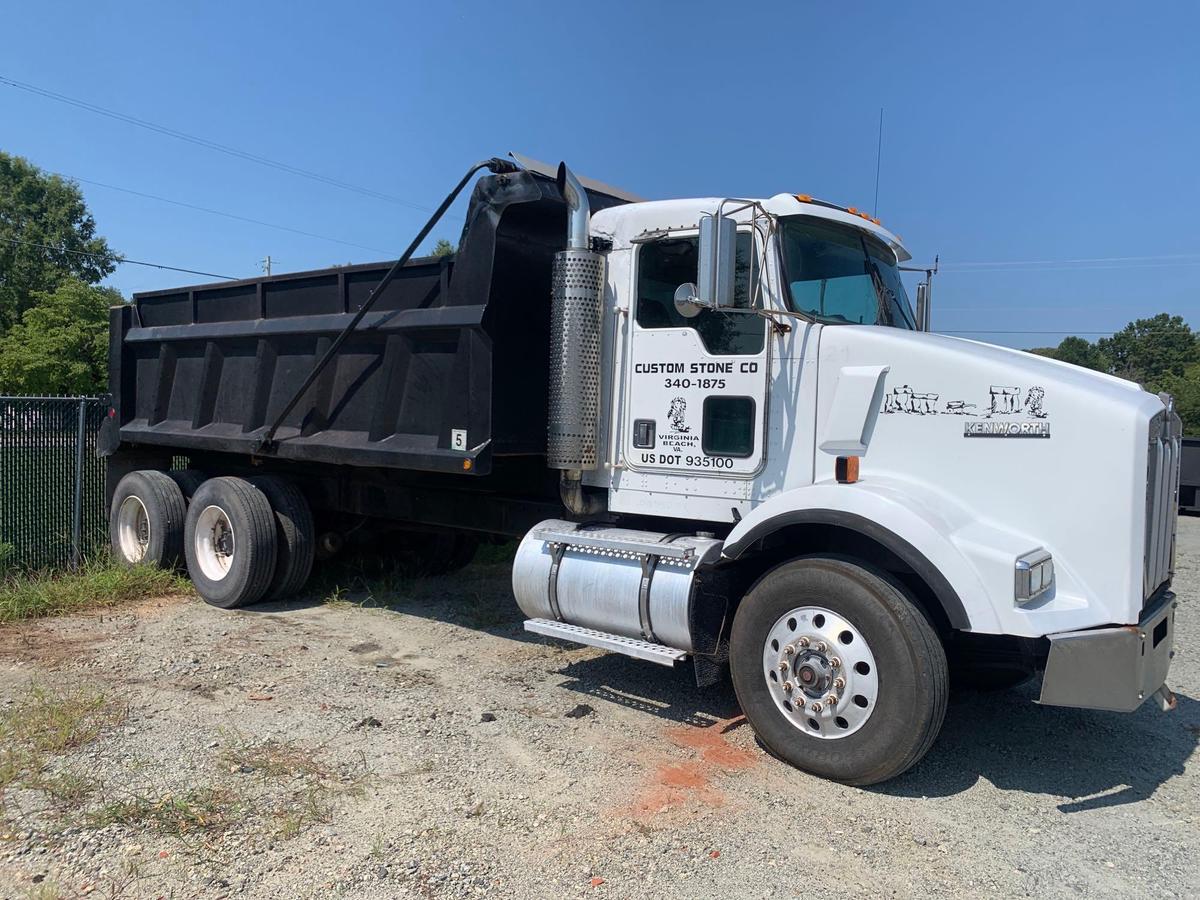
(838, 671)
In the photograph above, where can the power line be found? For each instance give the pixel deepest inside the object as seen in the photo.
(1096, 262)
(217, 212)
(117, 260)
(211, 145)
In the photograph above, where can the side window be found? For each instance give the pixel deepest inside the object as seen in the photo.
(728, 426)
(665, 265)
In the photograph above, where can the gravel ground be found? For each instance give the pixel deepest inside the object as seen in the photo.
(430, 748)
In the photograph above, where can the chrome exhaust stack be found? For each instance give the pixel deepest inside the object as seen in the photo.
(576, 313)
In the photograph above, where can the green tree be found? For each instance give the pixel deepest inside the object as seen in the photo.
(1185, 389)
(1081, 352)
(444, 248)
(1148, 349)
(60, 346)
(37, 208)
(1077, 351)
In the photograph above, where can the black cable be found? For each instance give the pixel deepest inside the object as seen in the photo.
(205, 142)
(497, 165)
(117, 260)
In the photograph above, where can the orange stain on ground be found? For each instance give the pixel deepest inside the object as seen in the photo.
(688, 785)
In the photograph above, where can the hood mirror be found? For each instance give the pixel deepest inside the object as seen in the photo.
(687, 304)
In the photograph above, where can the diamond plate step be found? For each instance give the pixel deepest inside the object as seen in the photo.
(656, 653)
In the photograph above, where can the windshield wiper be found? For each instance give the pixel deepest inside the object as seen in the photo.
(883, 294)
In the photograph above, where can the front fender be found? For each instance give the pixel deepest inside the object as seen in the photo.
(910, 521)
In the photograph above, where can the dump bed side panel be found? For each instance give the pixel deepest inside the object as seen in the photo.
(447, 371)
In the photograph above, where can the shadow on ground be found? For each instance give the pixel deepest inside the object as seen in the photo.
(1096, 759)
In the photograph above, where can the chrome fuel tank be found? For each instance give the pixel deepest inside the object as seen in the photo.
(637, 584)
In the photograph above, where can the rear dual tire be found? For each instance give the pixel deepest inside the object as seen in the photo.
(230, 542)
(146, 520)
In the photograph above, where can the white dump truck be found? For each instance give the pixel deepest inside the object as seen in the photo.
(721, 433)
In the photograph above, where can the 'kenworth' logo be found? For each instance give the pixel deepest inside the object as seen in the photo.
(1006, 429)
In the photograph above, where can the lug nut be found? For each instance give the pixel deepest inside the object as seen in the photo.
(831, 701)
(835, 662)
(783, 668)
(839, 683)
(816, 707)
(787, 686)
(822, 646)
(789, 650)
(803, 642)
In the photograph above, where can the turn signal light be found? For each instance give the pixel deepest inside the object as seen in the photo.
(845, 470)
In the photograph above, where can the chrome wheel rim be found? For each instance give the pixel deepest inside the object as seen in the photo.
(214, 543)
(133, 529)
(820, 672)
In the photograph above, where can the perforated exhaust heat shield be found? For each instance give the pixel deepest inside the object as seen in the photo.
(576, 309)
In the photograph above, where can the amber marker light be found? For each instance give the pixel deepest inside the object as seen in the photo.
(467, 465)
(804, 198)
(845, 470)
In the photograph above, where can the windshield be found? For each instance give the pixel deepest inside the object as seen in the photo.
(839, 273)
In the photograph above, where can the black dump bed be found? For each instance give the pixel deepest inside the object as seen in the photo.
(453, 345)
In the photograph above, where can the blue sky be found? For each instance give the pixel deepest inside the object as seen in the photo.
(1013, 133)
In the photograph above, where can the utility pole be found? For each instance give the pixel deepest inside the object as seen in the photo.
(266, 265)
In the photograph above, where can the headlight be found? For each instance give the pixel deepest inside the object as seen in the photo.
(1034, 575)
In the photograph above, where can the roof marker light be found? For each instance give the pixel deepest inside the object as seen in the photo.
(804, 198)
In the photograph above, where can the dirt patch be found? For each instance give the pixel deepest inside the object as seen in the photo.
(454, 770)
(43, 644)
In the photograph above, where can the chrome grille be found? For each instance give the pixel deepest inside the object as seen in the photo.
(1162, 498)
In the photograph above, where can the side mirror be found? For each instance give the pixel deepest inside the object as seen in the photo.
(923, 306)
(687, 304)
(718, 261)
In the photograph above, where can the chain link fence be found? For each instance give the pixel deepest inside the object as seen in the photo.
(51, 481)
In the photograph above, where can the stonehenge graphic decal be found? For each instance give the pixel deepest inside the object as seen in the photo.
(1002, 401)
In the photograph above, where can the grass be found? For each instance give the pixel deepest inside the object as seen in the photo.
(205, 810)
(45, 724)
(97, 583)
(273, 759)
(47, 721)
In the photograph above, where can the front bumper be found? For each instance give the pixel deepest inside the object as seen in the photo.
(1112, 668)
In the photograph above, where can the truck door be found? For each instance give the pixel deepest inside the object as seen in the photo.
(695, 392)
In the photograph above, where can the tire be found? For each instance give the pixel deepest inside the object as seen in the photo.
(433, 553)
(146, 520)
(230, 542)
(463, 552)
(189, 481)
(294, 536)
(892, 701)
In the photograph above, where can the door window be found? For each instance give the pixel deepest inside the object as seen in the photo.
(666, 264)
(728, 426)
